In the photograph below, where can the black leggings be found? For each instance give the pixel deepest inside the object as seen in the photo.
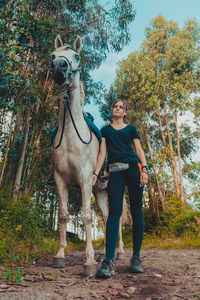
(116, 187)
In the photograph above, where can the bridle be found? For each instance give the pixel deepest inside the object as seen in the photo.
(66, 102)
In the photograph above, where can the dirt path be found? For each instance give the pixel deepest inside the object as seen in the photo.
(169, 274)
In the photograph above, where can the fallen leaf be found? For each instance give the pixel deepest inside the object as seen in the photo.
(71, 283)
(113, 292)
(125, 295)
(131, 289)
(157, 275)
(4, 286)
(21, 284)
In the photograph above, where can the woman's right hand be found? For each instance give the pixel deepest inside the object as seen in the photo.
(100, 160)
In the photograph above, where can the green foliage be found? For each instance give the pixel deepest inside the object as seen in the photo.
(161, 85)
(177, 227)
(11, 275)
(176, 221)
(23, 217)
(29, 98)
(179, 219)
(20, 222)
(25, 235)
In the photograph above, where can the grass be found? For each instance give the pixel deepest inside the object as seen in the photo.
(166, 242)
(25, 251)
(152, 241)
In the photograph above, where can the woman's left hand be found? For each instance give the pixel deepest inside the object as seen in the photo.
(143, 178)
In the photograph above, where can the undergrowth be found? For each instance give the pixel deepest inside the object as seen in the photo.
(24, 234)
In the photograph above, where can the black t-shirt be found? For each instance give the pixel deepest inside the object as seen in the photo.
(119, 142)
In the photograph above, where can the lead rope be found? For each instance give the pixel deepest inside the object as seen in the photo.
(70, 113)
(63, 126)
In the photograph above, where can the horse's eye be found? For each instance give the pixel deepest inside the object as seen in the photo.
(53, 57)
(77, 57)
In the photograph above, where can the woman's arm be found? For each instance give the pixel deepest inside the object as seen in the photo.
(141, 156)
(100, 159)
(139, 151)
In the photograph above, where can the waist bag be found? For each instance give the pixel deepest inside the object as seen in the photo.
(116, 167)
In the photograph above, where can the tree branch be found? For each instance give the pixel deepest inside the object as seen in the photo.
(191, 137)
(192, 194)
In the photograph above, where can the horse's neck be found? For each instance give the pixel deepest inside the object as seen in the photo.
(74, 99)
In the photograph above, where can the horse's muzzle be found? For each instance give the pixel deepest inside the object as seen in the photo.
(59, 77)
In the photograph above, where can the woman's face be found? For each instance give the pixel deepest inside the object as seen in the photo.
(118, 110)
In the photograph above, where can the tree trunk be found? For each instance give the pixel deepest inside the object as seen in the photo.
(11, 165)
(179, 157)
(161, 129)
(172, 158)
(51, 211)
(7, 150)
(161, 197)
(153, 204)
(17, 183)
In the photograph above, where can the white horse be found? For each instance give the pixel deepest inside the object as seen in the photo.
(75, 150)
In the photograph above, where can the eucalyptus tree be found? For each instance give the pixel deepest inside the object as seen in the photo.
(29, 99)
(161, 83)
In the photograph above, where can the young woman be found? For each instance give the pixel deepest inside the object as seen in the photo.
(126, 168)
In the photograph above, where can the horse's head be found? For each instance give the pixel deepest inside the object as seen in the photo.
(65, 62)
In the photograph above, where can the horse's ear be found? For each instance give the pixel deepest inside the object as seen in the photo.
(58, 42)
(78, 44)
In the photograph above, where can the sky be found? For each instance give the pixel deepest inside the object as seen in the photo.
(146, 10)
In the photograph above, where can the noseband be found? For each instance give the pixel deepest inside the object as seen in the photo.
(72, 73)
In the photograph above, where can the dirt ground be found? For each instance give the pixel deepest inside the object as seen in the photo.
(169, 274)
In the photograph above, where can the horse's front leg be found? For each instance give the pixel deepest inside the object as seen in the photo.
(91, 265)
(59, 259)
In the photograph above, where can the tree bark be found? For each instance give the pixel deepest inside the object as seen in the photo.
(153, 204)
(172, 158)
(17, 183)
(161, 129)
(7, 150)
(161, 197)
(179, 157)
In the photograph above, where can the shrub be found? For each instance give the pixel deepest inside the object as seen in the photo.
(179, 219)
(22, 227)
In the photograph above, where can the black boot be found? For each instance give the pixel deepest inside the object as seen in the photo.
(106, 270)
(136, 266)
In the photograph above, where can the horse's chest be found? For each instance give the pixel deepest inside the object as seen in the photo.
(70, 159)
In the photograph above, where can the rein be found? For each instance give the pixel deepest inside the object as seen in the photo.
(66, 101)
(70, 113)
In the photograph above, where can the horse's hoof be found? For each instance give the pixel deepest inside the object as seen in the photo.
(90, 270)
(58, 262)
(120, 256)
